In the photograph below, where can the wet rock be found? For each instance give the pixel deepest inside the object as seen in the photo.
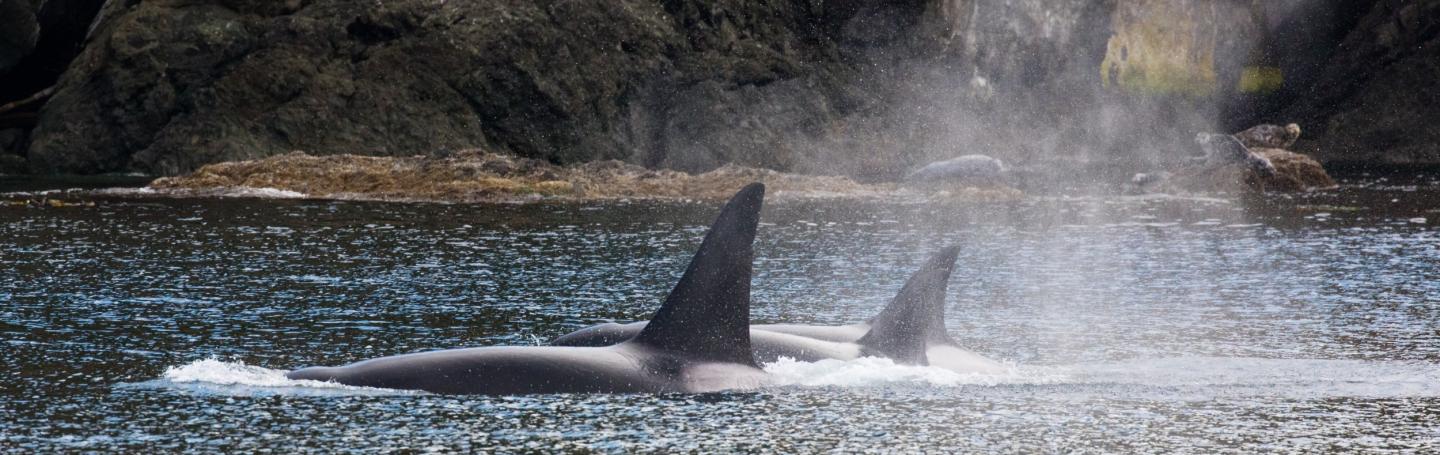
(1293, 172)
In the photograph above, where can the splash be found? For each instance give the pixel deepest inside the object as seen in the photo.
(217, 192)
(237, 378)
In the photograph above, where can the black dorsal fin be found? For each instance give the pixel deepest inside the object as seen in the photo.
(707, 315)
(916, 317)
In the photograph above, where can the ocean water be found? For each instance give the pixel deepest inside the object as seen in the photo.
(1277, 323)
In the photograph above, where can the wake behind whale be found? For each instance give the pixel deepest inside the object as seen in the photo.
(1147, 378)
(700, 339)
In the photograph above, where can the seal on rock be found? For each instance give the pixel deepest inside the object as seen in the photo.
(1224, 150)
(968, 169)
(1270, 136)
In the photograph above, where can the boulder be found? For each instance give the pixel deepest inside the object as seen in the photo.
(1293, 172)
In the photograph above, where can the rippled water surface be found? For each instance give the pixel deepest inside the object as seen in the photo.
(1281, 323)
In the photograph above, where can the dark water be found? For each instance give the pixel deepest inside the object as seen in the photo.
(1296, 323)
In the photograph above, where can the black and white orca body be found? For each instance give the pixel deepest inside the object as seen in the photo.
(910, 330)
(698, 341)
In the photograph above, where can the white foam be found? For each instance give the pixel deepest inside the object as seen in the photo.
(239, 378)
(269, 193)
(226, 192)
(127, 191)
(875, 371)
(1170, 377)
(229, 373)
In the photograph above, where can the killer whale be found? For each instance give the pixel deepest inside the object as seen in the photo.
(698, 341)
(910, 330)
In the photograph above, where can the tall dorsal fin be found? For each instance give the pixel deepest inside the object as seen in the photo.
(707, 315)
(916, 317)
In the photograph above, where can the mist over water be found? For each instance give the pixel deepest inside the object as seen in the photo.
(1076, 96)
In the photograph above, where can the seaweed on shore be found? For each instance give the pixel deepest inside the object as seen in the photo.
(476, 176)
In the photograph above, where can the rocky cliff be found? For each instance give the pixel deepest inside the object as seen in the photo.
(867, 89)
(1377, 98)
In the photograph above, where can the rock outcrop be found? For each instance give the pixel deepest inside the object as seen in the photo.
(167, 87)
(856, 88)
(474, 176)
(865, 89)
(1293, 172)
(1378, 97)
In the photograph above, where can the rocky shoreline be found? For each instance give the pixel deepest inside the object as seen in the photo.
(477, 176)
(869, 90)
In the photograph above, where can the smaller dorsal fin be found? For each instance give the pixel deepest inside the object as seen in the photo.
(707, 315)
(916, 317)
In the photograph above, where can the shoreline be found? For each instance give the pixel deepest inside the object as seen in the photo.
(479, 177)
